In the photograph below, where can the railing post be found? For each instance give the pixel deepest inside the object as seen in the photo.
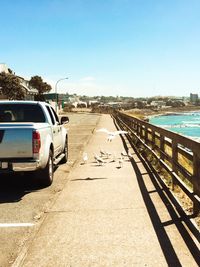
(140, 131)
(146, 135)
(133, 124)
(174, 160)
(153, 139)
(129, 122)
(196, 180)
(137, 129)
(162, 146)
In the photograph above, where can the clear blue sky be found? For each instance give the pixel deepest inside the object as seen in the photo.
(106, 47)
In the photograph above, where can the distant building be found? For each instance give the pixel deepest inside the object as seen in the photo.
(158, 103)
(116, 105)
(30, 92)
(51, 96)
(194, 98)
(93, 103)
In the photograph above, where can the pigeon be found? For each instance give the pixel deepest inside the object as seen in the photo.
(111, 135)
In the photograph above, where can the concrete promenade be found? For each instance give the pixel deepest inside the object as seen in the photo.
(111, 215)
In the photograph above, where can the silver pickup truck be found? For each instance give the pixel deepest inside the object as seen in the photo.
(32, 138)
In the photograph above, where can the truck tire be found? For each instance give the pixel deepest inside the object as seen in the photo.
(65, 151)
(46, 174)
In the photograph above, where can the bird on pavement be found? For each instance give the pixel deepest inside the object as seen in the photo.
(121, 162)
(85, 157)
(123, 154)
(129, 154)
(108, 154)
(99, 159)
(114, 157)
(105, 153)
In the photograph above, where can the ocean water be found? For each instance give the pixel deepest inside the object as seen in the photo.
(187, 124)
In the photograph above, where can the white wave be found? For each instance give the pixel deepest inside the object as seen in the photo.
(171, 126)
(165, 126)
(180, 126)
(191, 125)
(191, 122)
(195, 138)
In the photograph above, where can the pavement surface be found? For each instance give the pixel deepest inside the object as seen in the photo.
(110, 215)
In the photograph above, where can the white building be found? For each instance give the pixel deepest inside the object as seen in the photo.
(3, 68)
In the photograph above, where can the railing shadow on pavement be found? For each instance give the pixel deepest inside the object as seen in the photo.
(180, 220)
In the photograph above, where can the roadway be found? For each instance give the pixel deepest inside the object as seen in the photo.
(115, 214)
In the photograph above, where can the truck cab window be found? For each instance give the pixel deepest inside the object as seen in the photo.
(51, 115)
(55, 115)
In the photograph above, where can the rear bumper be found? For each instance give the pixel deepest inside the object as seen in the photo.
(22, 166)
(25, 166)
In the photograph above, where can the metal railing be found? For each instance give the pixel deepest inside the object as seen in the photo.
(178, 155)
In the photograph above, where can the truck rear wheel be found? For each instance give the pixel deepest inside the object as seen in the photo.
(46, 174)
(65, 151)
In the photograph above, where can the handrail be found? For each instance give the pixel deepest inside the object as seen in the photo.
(171, 150)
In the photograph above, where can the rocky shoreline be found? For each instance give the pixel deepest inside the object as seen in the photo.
(145, 114)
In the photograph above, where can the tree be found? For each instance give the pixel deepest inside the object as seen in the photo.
(42, 87)
(175, 103)
(140, 104)
(11, 87)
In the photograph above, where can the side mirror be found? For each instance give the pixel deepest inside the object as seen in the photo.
(64, 119)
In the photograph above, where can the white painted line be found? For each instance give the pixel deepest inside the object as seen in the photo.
(4, 225)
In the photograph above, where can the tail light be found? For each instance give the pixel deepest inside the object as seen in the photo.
(36, 142)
